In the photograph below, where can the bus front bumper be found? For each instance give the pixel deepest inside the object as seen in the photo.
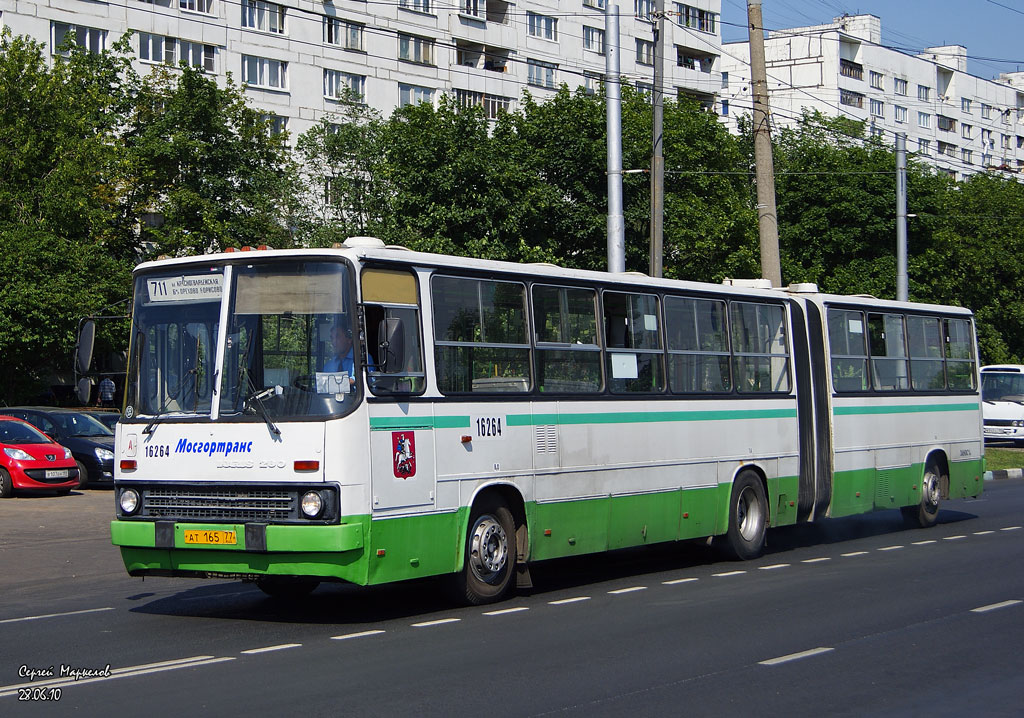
(258, 538)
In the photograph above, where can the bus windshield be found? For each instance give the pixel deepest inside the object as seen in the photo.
(1002, 386)
(287, 346)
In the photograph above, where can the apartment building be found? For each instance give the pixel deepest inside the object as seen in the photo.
(955, 121)
(298, 58)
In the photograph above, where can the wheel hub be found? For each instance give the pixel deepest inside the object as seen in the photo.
(489, 548)
(748, 514)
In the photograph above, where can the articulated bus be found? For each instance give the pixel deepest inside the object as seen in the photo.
(370, 414)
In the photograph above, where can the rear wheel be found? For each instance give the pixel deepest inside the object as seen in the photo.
(490, 554)
(748, 517)
(83, 474)
(287, 586)
(926, 513)
(6, 485)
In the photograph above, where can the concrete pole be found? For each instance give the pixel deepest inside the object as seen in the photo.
(613, 115)
(767, 219)
(657, 154)
(901, 216)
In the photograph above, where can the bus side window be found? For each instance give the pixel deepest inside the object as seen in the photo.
(392, 316)
(888, 352)
(847, 345)
(633, 342)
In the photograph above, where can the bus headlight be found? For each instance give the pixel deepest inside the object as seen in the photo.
(312, 504)
(129, 501)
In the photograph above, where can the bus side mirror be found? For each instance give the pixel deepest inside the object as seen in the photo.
(390, 345)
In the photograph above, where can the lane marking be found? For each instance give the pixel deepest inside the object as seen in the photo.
(983, 533)
(925, 542)
(855, 553)
(890, 548)
(773, 567)
(816, 560)
(674, 581)
(995, 606)
(1010, 528)
(503, 611)
(727, 573)
(568, 600)
(127, 672)
(953, 538)
(631, 589)
(57, 615)
(438, 622)
(795, 656)
(268, 649)
(361, 634)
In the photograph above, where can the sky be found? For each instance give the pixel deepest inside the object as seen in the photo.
(990, 29)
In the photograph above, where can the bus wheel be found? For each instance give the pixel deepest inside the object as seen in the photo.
(490, 554)
(925, 514)
(748, 517)
(286, 586)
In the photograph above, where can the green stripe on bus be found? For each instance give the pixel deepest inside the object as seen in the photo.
(643, 417)
(383, 423)
(907, 409)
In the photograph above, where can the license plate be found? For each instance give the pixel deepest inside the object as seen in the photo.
(56, 473)
(211, 538)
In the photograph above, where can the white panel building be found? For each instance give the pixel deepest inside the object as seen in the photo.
(955, 121)
(297, 57)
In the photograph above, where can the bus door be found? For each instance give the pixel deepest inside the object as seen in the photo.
(402, 462)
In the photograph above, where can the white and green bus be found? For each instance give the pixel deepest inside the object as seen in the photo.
(488, 415)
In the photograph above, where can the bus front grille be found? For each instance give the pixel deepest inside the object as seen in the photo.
(220, 504)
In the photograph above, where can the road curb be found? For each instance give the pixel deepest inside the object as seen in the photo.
(1004, 474)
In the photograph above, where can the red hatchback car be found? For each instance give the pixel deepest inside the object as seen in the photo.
(29, 459)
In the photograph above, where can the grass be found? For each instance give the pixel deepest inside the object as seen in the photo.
(999, 458)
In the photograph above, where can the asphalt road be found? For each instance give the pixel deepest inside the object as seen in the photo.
(855, 616)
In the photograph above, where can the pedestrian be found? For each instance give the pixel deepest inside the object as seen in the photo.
(107, 389)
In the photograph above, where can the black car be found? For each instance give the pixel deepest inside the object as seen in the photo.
(109, 419)
(91, 443)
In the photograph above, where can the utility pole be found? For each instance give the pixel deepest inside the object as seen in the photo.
(767, 218)
(901, 216)
(657, 154)
(613, 118)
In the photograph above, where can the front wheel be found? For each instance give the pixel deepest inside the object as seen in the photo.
(926, 513)
(490, 554)
(748, 517)
(83, 474)
(6, 485)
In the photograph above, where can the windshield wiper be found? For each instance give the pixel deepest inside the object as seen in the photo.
(256, 400)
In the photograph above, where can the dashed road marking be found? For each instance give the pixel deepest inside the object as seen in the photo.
(995, 606)
(57, 615)
(361, 634)
(564, 601)
(675, 581)
(438, 622)
(796, 656)
(727, 573)
(890, 548)
(925, 542)
(631, 589)
(855, 553)
(816, 560)
(773, 567)
(268, 649)
(503, 611)
(1011, 528)
(953, 538)
(983, 533)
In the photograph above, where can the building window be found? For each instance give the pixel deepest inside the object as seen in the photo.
(644, 88)
(1006, 116)
(412, 48)
(591, 82)
(876, 79)
(924, 119)
(89, 39)
(1020, 142)
(599, 4)
(644, 52)
(924, 93)
(156, 48)
(344, 85)
(725, 108)
(986, 138)
(986, 111)
(691, 17)
(204, 6)
(417, 5)
(413, 95)
(276, 125)
(851, 99)
(876, 131)
(684, 60)
(541, 74)
(474, 8)
(542, 26)
(899, 113)
(851, 69)
(492, 104)
(947, 148)
(196, 54)
(643, 8)
(986, 160)
(593, 39)
(877, 108)
(265, 16)
(899, 86)
(965, 155)
(1004, 141)
(946, 124)
(261, 72)
(924, 147)
(965, 104)
(346, 34)
(725, 80)
(966, 130)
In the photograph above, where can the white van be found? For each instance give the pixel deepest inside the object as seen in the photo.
(1002, 408)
